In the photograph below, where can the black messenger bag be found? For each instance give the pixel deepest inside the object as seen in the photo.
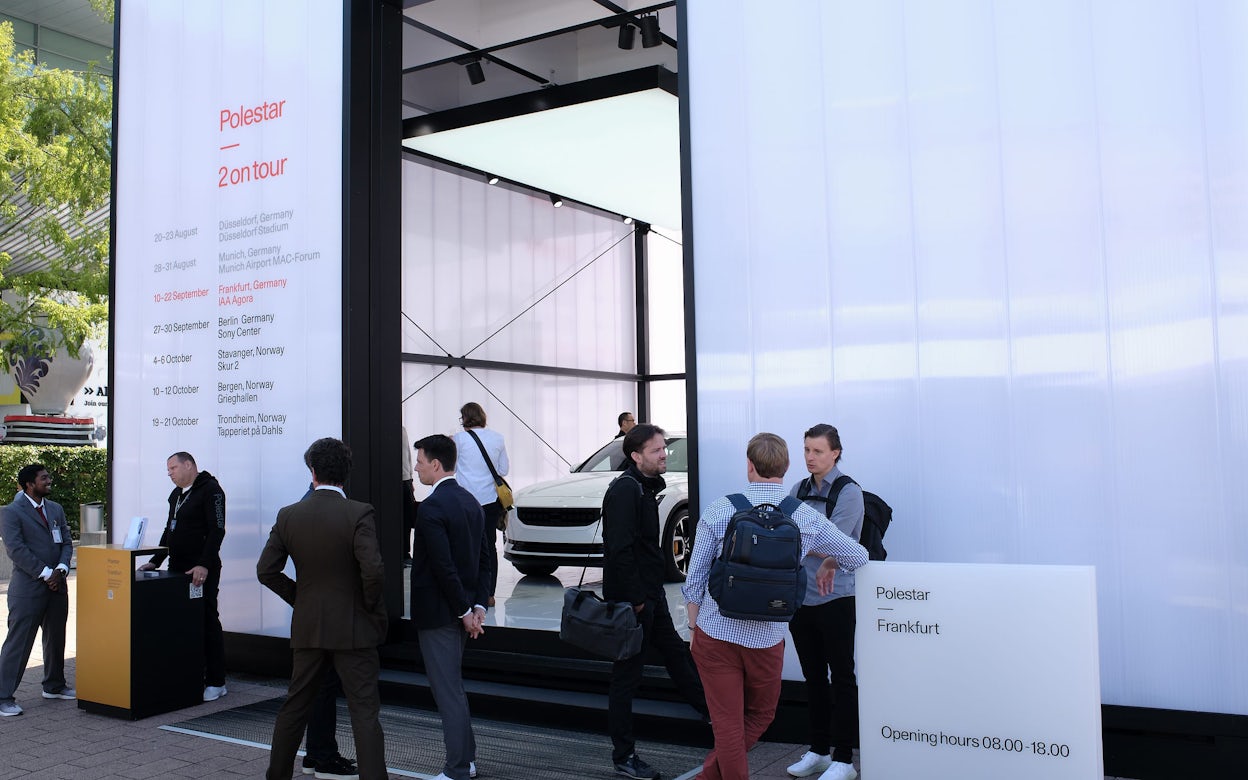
(607, 629)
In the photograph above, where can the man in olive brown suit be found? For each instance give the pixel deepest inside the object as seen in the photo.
(340, 616)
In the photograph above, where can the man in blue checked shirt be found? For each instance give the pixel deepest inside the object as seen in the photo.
(740, 660)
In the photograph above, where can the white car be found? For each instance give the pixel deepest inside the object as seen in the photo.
(556, 523)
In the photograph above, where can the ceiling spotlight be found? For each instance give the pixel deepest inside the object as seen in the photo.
(627, 34)
(628, 220)
(556, 201)
(493, 180)
(476, 75)
(650, 36)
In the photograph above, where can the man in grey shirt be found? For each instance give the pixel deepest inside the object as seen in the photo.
(823, 628)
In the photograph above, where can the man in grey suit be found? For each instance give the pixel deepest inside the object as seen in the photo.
(36, 538)
(340, 615)
(452, 570)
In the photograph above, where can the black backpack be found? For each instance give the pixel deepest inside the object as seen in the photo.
(758, 574)
(875, 519)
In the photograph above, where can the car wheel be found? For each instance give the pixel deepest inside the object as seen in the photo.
(535, 569)
(678, 541)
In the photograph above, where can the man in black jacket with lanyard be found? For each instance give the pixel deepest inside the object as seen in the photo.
(633, 572)
(193, 534)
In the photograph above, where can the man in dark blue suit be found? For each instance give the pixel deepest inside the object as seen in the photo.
(452, 569)
(36, 538)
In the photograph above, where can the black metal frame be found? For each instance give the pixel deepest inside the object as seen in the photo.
(112, 253)
(371, 218)
(641, 296)
(620, 15)
(614, 85)
(686, 213)
(451, 361)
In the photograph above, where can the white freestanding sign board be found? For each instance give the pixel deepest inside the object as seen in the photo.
(978, 671)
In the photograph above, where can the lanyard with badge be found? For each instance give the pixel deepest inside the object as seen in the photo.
(177, 507)
(54, 528)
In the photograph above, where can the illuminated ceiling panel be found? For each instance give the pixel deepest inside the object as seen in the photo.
(602, 142)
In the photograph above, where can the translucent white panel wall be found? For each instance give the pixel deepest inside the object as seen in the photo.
(665, 298)
(494, 274)
(1003, 247)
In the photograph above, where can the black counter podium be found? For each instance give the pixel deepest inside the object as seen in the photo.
(140, 636)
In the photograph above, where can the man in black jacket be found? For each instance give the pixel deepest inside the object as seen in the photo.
(633, 572)
(193, 533)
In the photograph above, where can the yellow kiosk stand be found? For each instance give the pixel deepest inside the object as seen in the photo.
(140, 635)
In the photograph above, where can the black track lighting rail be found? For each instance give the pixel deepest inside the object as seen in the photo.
(540, 100)
(621, 15)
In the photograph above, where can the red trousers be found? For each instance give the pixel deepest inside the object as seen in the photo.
(742, 687)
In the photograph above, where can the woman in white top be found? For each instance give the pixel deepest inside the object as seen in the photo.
(473, 475)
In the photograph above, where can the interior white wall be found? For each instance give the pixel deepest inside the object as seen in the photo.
(495, 274)
(1002, 247)
(665, 297)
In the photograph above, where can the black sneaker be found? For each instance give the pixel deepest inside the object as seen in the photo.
(637, 769)
(336, 768)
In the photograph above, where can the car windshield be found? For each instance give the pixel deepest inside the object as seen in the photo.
(611, 457)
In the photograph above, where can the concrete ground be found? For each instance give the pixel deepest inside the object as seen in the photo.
(55, 739)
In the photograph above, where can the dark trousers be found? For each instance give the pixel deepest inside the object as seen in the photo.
(358, 669)
(743, 689)
(660, 634)
(823, 636)
(493, 514)
(214, 637)
(443, 652)
(45, 613)
(322, 738)
(409, 517)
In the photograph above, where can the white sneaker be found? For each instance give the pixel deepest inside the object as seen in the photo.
(839, 771)
(472, 768)
(809, 764)
(214, 692)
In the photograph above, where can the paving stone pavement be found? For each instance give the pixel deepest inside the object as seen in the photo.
(54, 739)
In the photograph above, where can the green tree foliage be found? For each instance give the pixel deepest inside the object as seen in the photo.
(105, 8)
(79, 475)
(55, 170)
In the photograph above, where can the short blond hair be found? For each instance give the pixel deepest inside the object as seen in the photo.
(770, 455)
